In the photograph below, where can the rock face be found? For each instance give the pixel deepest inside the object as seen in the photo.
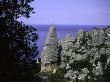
(50, 51)
(67, 49)
(84, 57)
(98, 36)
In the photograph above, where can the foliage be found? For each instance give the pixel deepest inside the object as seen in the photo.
(17, 43)
(77, 65)
(15, 8)
(57, 77)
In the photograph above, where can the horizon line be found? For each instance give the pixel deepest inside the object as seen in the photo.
(73, 24)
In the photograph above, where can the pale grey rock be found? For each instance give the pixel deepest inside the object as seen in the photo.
(71, 61)
(98, 69)
(82, 48)
(80, 39)
(67, 48)
(52, 37)
(50, 50)
(101, 37)
(102, 51)
(62, 65)
(98, 36)
(72, 75)
(107, 32)
(67, 43)
(79, 57)
(94, 34)
(81, 35)
(88, 77)
(46, 77)
(83, 74)
(89, 47)
(108, 52)
(67, 66)
(108, 61)
(77, 45)
(88, 38)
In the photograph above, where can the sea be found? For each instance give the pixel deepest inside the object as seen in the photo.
(62, 31)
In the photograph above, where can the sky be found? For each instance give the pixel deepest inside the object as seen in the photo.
(74, 12)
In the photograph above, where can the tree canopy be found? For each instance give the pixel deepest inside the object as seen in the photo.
(17, 42)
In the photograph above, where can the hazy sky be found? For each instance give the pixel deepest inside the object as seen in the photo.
(70, 12)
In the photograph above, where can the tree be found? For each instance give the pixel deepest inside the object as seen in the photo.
(17, 43)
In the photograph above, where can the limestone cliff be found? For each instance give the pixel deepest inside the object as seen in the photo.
(84, 57)
(50, 52)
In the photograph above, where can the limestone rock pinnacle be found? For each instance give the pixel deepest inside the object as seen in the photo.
(50, 50)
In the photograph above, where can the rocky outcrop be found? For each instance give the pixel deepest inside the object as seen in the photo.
(67, 50)
(50, 51)
(84, 57)
(98, 36)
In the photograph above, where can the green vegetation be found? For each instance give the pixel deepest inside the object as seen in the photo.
(17, 43)
(50, 77)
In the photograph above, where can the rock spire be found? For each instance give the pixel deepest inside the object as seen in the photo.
(50, 51)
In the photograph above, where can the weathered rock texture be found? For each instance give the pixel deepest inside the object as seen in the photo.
(50, 52)
(84, 57)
